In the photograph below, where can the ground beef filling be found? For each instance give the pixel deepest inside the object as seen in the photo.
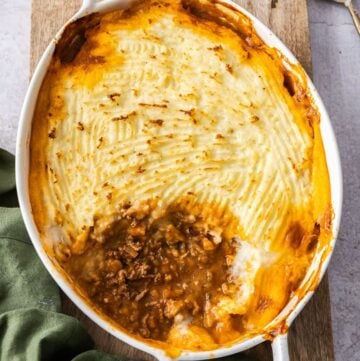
(148, 272)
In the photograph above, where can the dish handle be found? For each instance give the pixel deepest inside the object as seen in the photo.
(280, 348)
(88, 4)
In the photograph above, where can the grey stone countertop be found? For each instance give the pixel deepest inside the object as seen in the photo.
(336, 66)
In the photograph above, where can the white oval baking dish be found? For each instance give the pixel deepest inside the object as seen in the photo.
(318, 266)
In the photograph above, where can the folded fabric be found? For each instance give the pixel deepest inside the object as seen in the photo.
(31, 325)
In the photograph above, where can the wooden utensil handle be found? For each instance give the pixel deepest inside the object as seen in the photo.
(355, 16)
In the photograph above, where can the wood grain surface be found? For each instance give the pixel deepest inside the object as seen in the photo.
(310, 336)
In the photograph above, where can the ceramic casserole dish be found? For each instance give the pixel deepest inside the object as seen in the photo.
(198, 179)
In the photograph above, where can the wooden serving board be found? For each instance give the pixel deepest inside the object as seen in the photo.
(310, 336)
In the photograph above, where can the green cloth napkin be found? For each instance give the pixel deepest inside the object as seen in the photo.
(31, 325)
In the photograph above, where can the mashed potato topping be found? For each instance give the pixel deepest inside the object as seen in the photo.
(180, 102)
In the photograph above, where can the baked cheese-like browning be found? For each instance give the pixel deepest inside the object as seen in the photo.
(168, 138)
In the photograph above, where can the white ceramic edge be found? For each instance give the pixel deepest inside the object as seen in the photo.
(22, 167)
